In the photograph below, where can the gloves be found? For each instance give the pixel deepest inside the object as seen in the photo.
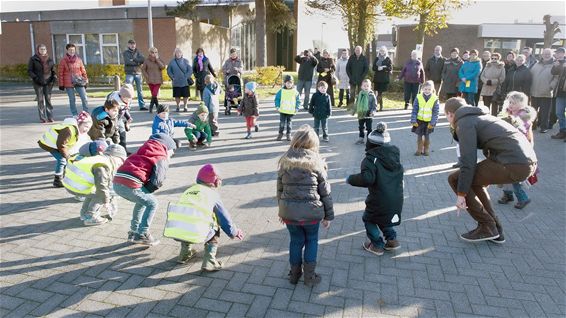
(488, 83)
(415, 125)
(429, 127)
(61, 88)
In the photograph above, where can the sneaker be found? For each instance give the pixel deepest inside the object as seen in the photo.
(360, 141)
(50, 120)
(131, 236)
(481, 233)
(177, 109)
(520, 205)
(145, 239)
(505, 199)
(391, 245)
(79, 198)
(95, 221)
(248, 136)
(325, 139)
(368, 246)
(256, 128)
(185, 258)
(279, 137)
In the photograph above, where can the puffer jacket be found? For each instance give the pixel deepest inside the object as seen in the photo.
(303, 191)
(544, 82)
(103, 126)
(249, 106)
(179, 71)
(35, 71)
(450, 79)
(412, 72)
(382, 173)
(494, 72)
(67, 69)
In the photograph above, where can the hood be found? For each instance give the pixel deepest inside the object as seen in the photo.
(214, 88)
(387, 155)
(152, 148)
(302, 159)
(468, 111)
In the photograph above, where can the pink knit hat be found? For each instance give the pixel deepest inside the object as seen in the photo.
(208, 174)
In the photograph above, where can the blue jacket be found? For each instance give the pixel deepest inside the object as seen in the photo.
(224, 219)
(211, 97)
(470, 70)
(179, 73)
(278, 99)
(435, 108)
(166, 126)
(320, 106)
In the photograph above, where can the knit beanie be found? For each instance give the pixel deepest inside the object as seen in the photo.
(201, 109)
(208, 174)
(251, 86)
(165, 139)
(379, 135)
(127, 91)
(288, 78)
(116, 151)
(93, 148)
(161, 108)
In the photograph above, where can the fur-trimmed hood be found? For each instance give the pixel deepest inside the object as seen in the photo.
(302, 159)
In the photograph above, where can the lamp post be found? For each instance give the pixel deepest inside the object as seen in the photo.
(322, 36)
(149, 24)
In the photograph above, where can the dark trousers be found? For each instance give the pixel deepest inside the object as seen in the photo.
(43, 95)
(341, 95)
(364, 122)
(477, 95)
(303, 245)
(410, 93)
(543, 106)
(123, 140)
(321, 123)
(373, 232)
(470, 99)
(285, 122)
(491, 104)
(354, 91)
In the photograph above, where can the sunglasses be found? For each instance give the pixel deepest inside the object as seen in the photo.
(494, 58)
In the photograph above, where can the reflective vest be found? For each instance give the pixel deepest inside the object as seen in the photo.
(288, 102)
(192, 218)
(50, 137)
(78, 173)
(425, 107)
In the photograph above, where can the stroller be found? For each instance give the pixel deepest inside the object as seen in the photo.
(232, 98)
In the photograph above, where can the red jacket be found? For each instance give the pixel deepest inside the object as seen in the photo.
(68, 68)
(146, 168)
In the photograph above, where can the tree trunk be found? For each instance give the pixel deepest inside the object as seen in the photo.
(362, 30)
(421, 28)
(260, 31)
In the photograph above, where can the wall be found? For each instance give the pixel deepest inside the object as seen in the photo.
(164, 38)
(15, 43)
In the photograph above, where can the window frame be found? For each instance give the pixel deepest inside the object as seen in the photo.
(102, 45)
(82, 45)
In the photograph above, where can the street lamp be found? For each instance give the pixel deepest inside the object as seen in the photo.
(322, 36)
(149, 25)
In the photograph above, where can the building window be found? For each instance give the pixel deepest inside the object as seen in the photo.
(79, 41)
(109, 48)
(242, 38)
(92, 48)
(502, 45)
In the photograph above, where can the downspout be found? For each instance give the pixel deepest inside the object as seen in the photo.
(32, 38)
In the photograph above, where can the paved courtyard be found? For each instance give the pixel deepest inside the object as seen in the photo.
(51, 265)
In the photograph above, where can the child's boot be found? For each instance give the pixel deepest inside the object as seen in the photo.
(279, 137)
(209, 262)
(311, 278)
(506, 198)
(58, 181)
(186, 253)
(256, 127)
(426, 148)
(248, 136)
(419, 147)
(193, 143)
(295, 274)
(151, 104)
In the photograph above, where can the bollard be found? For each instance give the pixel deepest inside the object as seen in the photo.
(116, 82)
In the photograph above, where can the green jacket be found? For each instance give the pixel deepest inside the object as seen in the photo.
(201, 126)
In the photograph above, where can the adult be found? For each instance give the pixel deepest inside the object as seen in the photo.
(469, 76)
(179, 71)
(518, 78)
(343, 79)
(326, 69)
(542, 86)
(492, 76)
(509, 61)
(133, 60)
(73, 78)
(485, 58)
(307, 62)
(510, 158)
(559, 70)
(201, 68)
(450, 71)
(433, 68)
(152, 69)
(357, 69)
(412, 75)
(42, 73)
(381, 74)
(530, 60)
(316, 53)
(232, 66)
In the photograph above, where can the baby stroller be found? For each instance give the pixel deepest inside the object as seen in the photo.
(232, 98)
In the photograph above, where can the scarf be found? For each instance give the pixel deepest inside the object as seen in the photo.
(362, 104)
(199, 61)
(46, 68)
(380, 59)
(71, 59)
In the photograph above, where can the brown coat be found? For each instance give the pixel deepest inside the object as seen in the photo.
(249, 105)
(67, 69)
(63, 140)
(151, 71)
(494, 72)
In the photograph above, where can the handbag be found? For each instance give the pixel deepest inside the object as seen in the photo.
(190, 81)
(78, 81)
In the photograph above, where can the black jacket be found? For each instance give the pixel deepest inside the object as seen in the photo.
(382, 76)
(560, 71)
(518, 79)
(382, 174)
(35, 71)
(433, 68)
(319, 105)
(133, 61)
(306, 68)
(357, 69)
(200, 75)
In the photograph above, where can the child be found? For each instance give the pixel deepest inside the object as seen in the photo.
(105, 122)
(210, 97)
(287, 102)
(162, 123)
(198, 217)
(249, 108)
(321, 109)
(200, 129)
(60, 138)
(140, 175)
(382, 174)
(517, 112)
(91, 178)
(364, 108)
(93, 148)
(123, 97)
(424, 117)
(301, 169)
(232, 98)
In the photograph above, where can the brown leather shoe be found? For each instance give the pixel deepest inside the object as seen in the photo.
(483, 232)
(391, 245)
(559, 135)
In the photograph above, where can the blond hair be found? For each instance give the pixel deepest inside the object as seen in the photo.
(429, 84)
(209, 79)
(153, 49)
(305, 138)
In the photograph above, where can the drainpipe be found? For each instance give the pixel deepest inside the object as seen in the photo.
(32, 38)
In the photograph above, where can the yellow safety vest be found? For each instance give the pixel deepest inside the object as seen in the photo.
(50, 137)
(425, 107)
(288, 102)
(78, 173)
(192, 218)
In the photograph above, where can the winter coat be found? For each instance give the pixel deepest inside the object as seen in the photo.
(201, 74)
(470, 70)
(518, 79)
(166, 126)
(499, 140)
(229, 68)
(179, 71)
(433, 68)
(543, 82)
(450, 79)
(64, 143)
(382, 76)
(67, 69)
(103, 176)
(103, 126)
(322, 74)
(320, 106)
(151, 71)
(303, 191)
(560, 72)
(343, 79)
(382, 174)
(35, 71)
(412, 72)
(249, 106)
(133, 59)
(146, 168)
(495, 73)
(306, 67)
(211, 97)
(372, 107)
(531, 61)
(201, 126)
(357, 69)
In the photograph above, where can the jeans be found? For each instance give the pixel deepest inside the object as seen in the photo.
(285, 122)
(144, 208)
(303, 236)
(543, 106)
(138, 79)
(195, 135)
(470, 99)
(373, 232)
(60, 163)
(321, 122)
(560, 109)
(44, 107)
(364, 122)
(82, 94)
(410, 92)
(213, 122)
(306, 86)
(516, 188)
(341, 95)
(93, 204)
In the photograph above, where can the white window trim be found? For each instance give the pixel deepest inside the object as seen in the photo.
(102, 45)
(82, 45)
